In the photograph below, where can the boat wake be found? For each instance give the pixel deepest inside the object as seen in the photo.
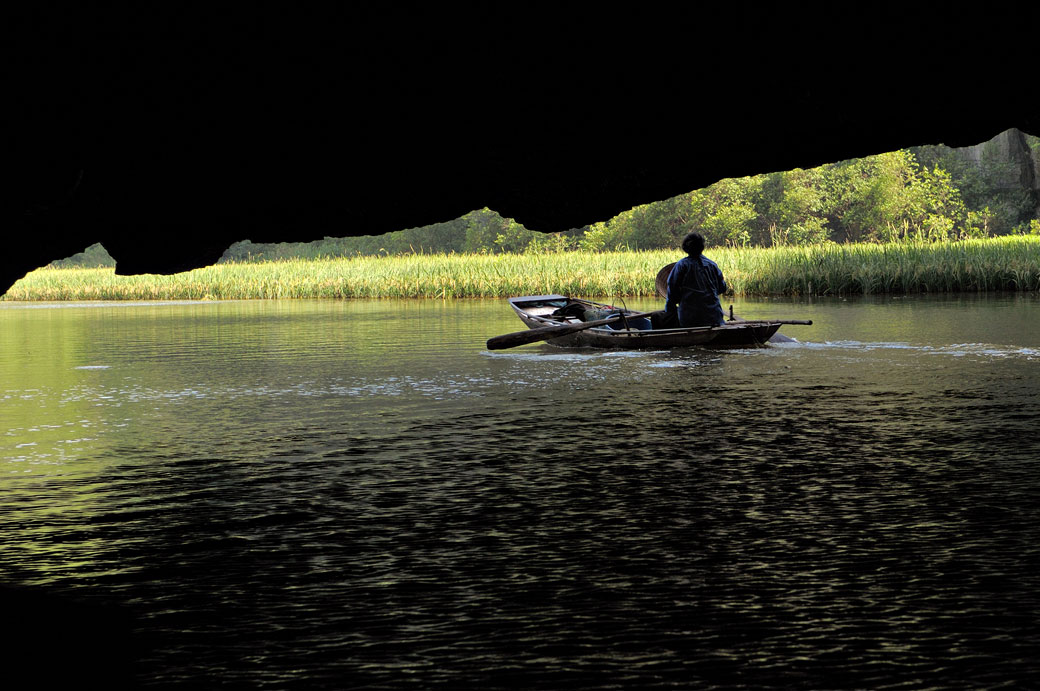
(570, 356)
(954, 350)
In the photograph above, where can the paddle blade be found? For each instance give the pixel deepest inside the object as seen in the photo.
(544, 333)
(520, 338)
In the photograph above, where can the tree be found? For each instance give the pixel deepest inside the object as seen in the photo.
(936, 208)
(867, 197)
(512, 237)
(725, 212)
(482, 229)
(797, 205)
(602, 237)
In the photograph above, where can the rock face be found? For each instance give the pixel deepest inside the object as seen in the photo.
(1011, 147)
(1035, 156)
(167, 137)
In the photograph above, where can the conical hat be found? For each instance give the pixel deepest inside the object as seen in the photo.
(662, 280)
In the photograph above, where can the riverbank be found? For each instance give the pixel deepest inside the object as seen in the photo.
(995, 264)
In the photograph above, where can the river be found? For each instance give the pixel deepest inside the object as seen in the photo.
(356, 494)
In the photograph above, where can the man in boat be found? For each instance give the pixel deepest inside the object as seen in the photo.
(694, 286)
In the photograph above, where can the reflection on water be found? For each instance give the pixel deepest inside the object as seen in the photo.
(357, 494)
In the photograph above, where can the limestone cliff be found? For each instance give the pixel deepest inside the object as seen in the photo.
(1015, 156)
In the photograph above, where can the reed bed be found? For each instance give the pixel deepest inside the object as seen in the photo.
(1010, 263)
(995, 264)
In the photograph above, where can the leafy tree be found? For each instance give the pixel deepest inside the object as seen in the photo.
(725, 211)
(552, 243)
(935, 205)
(512, 237)
(94, 256)
(991, 183)
(482, 229)
(797, 205)
(867, 197)
(602, 237)
(660, 225)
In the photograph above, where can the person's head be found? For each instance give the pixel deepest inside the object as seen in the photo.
(693, 244)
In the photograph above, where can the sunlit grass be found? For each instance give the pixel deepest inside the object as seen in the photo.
(1007, 263)
(993, 264)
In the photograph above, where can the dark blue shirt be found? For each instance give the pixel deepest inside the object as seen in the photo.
(694, 286)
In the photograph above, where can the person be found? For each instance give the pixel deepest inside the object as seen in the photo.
(694, 286)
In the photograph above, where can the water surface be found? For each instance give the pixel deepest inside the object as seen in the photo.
(327, 494)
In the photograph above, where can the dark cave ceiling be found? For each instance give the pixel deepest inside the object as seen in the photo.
(167, 138)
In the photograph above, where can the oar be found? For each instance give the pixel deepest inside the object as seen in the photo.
(738, 320)
(544, 333)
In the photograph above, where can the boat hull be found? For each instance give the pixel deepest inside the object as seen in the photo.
(535, 311)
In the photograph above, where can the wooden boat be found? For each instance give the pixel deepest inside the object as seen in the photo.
(539, 311)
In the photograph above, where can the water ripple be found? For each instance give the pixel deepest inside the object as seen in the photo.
(837, 514)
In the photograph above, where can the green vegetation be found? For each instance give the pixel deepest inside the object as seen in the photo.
(479, 232)
(95, 255)
(909, 266)
(915, 220)
(925, 194)
(929, 193)
(1009, 263)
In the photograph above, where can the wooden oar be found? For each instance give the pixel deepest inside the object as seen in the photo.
(738, 320)
(544, 333)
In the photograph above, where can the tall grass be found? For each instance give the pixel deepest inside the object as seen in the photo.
(1006, 263)
(992, 264)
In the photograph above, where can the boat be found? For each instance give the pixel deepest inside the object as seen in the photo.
(628, 329)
